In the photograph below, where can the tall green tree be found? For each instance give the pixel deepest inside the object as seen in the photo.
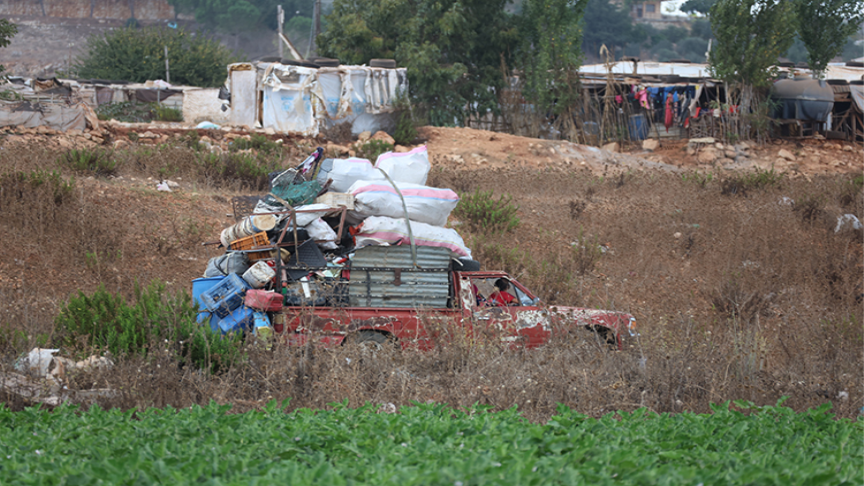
(138, 55)
(751, 35)
(551, 56)
(453, 49)
(7, 32)
(825, 26)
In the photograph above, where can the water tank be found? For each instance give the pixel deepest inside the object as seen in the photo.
(803, 99)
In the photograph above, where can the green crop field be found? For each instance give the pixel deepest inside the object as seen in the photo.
(427, 444)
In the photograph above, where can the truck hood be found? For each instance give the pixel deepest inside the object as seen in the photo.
(619, 322)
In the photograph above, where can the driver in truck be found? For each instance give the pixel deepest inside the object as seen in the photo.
(500, 297)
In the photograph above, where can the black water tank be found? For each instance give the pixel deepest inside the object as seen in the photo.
(803, 99)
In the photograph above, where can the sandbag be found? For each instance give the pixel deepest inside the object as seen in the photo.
(346, 172)
(319, 230)
(222, 265)
(412, 167)
(379, 230)
(429, 205)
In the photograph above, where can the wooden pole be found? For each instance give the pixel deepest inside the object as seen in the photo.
(167, 70)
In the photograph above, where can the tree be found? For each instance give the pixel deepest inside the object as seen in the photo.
(551, 58)
(825, 26)
(605, 23)
(138, 55)
(7, 32)
(698, 6)
(453, 49)
(751, 35)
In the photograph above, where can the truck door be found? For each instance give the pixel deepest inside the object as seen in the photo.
(521, 321)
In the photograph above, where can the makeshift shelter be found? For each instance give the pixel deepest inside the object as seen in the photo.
(307, 100)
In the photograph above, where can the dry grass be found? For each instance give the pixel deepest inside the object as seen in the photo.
(737, 296)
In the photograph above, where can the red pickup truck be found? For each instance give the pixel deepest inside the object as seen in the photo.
(413, 305)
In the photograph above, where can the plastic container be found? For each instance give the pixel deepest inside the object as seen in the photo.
(248, 226)
(258, 275)
(238, 320)
(201, 285)
(264, 300)
(225, 296)
(638, 127)
(261, 324)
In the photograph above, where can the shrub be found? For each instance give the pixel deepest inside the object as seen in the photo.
(245, 170)
(138, 55)
(108, 323)
(373, 148)
(480, 211)
(19, 184)
(167, 114)
(85, 161)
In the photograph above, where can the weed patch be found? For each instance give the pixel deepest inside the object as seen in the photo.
(95, 162)
(372, 149)
(482, 212)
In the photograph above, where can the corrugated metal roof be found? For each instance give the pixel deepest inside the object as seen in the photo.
(428, 257)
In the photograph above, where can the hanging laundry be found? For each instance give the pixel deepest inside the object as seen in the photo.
(669, 115)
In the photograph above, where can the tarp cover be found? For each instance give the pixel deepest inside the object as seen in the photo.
(307, 100)
(857, 95)
(59, 116)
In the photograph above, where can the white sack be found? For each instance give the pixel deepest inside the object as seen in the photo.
(346, 172)
(412, 167)
(319, 230)
(379, 230)
(429, 205)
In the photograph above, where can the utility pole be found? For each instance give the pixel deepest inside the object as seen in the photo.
(280, 20)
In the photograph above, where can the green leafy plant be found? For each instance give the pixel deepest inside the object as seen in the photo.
(86, 161)
(373, 148)
(482, 212)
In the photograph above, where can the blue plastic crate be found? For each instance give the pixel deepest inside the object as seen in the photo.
(225, 296)
(239, 320)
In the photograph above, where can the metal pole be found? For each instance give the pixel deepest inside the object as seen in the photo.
(167, 70)
(280, 20)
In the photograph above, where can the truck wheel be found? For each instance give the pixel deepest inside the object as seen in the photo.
(369, 339)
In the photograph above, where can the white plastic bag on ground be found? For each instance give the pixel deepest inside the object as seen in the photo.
(37, 362)
(429, 205)
(346, 172)
(411, 167)
(319, 230)
(379, 230)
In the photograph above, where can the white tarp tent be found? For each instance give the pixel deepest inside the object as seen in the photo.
(307, 100)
